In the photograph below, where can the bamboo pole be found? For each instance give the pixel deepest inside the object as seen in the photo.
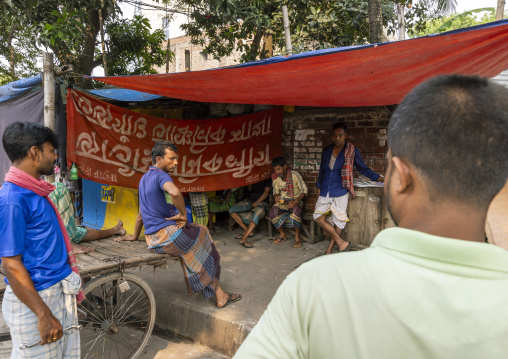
(49, 95)
(285, 19)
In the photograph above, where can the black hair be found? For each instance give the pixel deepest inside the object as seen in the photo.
(19, 137)
(160, 149)
(340, 125)
(278, 161)
(454, 130)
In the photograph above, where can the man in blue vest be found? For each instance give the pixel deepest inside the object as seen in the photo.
(335, 185)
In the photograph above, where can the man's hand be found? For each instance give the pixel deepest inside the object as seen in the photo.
(381, 179)
(277, 198)
(292, 204)
(181, 219)
(50, 328)
(318, 191)
(126, 238)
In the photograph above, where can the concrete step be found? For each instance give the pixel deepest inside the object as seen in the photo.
(255, 272)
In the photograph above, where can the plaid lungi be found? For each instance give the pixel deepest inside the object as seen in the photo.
(199, 205)
(248, 215)
(22, 322)
(62, 199)
(200, 259)
(281, 216)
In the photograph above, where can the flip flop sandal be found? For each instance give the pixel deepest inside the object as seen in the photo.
(297, 244)
(247, 244)
(279, 240)
(240, 236)
(346, 249)
(230, 300)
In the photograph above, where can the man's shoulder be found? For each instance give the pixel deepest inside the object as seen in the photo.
(11, 194)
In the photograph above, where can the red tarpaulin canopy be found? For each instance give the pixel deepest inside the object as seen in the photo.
(367, 75)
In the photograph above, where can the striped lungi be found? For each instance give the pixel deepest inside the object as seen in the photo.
(281, 216)
(22, 322)
(199, 206)
(200, 259)
(247, 213)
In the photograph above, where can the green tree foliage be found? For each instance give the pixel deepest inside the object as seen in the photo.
(132, 48)
(457, 21)
(70, 28)
(224, 26)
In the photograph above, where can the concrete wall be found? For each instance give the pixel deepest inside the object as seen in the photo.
(307, 131)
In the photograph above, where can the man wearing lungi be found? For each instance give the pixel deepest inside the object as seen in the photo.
(35, 250)
(249, 211)
(288, 190)
(335, 185)
(167, 230)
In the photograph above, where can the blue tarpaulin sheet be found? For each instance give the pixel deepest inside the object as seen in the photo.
(125, 95)
(17, 88)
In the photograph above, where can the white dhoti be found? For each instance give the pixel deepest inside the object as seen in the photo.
(334, 208)
(22, 322)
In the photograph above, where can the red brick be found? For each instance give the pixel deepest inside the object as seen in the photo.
(372, 143)
(373, 130)
(381, 162)
(365, 123)
(356, 130)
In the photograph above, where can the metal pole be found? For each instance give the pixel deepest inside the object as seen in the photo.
(49, 95)
(102, 40)
(285, 19)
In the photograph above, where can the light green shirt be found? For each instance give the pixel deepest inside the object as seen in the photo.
(409, 296)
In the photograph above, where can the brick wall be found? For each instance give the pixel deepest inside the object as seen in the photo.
(306, 132)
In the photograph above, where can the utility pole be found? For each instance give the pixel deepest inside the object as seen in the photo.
(49, 95)
(500, 9)
(285, 19)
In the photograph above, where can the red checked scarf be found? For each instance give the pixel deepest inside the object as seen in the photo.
(43, 188)
(347, 169)
(289, 182)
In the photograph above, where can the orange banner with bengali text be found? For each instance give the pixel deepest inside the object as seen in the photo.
(112, 145)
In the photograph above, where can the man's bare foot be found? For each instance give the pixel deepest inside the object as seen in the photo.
(126, 238)
(119, 230)
(330, 247)
(77, 249)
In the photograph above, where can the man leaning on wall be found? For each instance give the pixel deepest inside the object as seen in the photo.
(431, 288)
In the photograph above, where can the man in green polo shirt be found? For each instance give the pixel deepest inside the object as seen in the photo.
(431, 288)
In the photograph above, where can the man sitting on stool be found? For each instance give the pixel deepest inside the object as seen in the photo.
(249, 211)
(288, 190)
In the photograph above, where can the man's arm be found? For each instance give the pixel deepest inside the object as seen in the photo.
(137, 231)
(23, 287)
(264, 196)
(178, 202)
(364, 169)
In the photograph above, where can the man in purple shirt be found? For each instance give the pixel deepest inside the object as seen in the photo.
(167, 230)
(335, 184)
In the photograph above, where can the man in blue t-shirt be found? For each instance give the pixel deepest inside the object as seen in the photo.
(32, 250)
(167, 230)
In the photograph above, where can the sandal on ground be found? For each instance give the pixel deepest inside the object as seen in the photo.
(216, 229)
(240, 236)
(232, 298)
(279, 240)
(347, 248)
(297, 244)
(246, 244)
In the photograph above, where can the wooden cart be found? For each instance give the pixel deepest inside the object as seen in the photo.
(118, 313)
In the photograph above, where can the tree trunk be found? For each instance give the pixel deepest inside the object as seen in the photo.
(401, 22)
(12, 54)
(500, 9)
(375, 21)
(255, 44)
